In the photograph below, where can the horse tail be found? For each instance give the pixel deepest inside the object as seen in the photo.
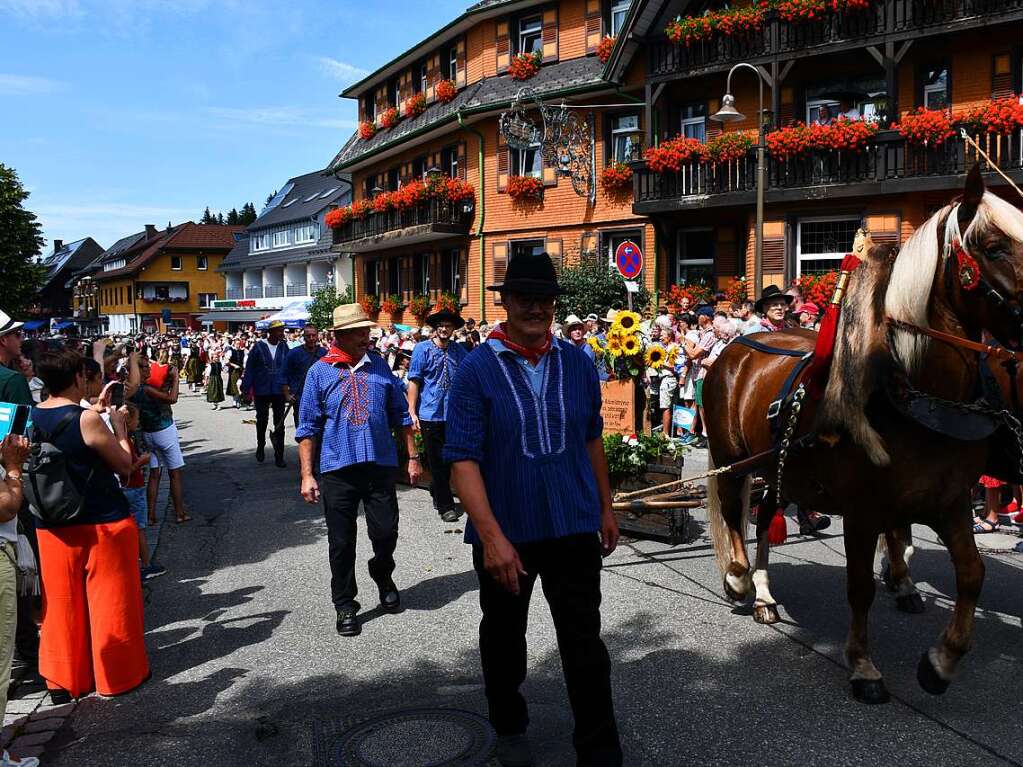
(719, 529)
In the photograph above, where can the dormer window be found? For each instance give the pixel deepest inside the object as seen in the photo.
(420, 78)
(394, 93)
(453, 63)
(531, 35)
(619, 12)
(369, 107)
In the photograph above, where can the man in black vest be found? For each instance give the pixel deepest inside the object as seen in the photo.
(266, 360)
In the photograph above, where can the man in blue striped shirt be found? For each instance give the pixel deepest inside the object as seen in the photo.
(351, 402)
(524, 439)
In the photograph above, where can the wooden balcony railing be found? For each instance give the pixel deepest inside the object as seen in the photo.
(434, 212)
(905, 18)
(888, 158)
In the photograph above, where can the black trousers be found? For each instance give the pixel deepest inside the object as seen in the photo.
(264, 404)
(440, 472)
(342, 491)
(569, 572)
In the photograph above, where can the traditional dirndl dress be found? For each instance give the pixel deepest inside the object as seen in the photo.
(232, 382)
(192, 370)
(215, 386)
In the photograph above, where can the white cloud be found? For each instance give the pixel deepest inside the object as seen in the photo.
(40, 8)
(341, 71)
(281, 116)
(104, 222)
(25, 85)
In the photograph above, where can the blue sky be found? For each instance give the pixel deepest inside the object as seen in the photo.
(120, 113)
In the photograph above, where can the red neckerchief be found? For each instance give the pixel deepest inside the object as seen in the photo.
(336, 355)
(531, 353)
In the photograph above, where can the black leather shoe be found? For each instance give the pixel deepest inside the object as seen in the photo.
(279, 462)
(451, 515)
(813, 523)
(260, 453)
(390, 599)
(348, 623)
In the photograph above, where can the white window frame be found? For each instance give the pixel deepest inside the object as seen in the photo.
(681, 258)
(455, 254)
(421, 269)
(282, 238)
(813, 104)
(307, 232)
(619, 12)
(623, 135)
(453, 64)
(206, 300)
(397, 94)
(528, 31)
(202, 263)
(518, 157)
(801, 257)
(424, 78)
(179, 261)
(940, 89)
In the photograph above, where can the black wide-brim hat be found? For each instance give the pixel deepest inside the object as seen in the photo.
(445, 315)
(771, 292)
(530, 276)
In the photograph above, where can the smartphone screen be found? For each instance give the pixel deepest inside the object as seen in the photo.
(19, 424)
(117, 395)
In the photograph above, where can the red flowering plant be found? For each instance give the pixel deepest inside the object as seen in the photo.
(690, 29)
(370, 304)
(419, 307)
(615, 178)
(367, 130)
(842, 135)
(338, 217)
(525, 65)
(446, 91)
(672, 154)
(414, 193)
(361, 209)
(818, 288)
(392, 304)
(697, 294)
(605, 48)
(735, 291)
(928, 127)
(738, 21)
(525, 188)
(800, 10)
(729, 146)
(1001, 117)
(384, 202)
(447, 302)
(851, 5)
(415, 106)
(389, 118)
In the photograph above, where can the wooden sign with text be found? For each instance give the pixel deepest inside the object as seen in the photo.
(618, 406)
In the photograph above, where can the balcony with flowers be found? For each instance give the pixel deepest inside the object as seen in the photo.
(923, 151)
(427, 210)
(766, 29)
(161, 292)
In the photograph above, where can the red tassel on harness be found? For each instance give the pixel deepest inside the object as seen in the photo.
(778, 530)
(817, 375)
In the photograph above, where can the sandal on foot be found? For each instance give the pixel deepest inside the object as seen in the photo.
(182, 519)
(982, 526)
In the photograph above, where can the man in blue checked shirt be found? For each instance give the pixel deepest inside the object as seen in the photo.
(433, 367)
(291, 377)
(351, 402)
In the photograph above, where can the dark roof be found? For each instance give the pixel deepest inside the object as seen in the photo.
(239, 258)
(187, 236)
(486, 4)
(61, 257)
(123, 244)
(239, 252)
(296, 205)
(488, 94)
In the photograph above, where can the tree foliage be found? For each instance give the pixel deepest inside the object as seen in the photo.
(21, 241)
(325, 301)
(593, 286)
(234, 217)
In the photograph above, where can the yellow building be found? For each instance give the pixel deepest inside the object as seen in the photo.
(165, 280)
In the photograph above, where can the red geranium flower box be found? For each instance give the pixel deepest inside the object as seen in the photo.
(524, 66)
(606, 48)
(616, 177)
(367, 130)
(389, 118)
(446, 91)
(416, 105)
(525, 188)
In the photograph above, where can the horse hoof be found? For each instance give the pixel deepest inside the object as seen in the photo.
(766, 614)
(870, 691)
(910, 603)
(736, 577)
(928, 677)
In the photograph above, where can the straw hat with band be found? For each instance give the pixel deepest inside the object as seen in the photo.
(530, 276)
(351, 317)
(572, 321)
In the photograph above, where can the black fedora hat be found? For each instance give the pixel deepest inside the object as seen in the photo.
(445, 315)
(771, 292)
(530, 275)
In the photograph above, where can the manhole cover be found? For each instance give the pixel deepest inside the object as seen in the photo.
(426, 737)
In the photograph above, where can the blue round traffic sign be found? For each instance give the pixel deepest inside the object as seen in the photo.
(629, 259)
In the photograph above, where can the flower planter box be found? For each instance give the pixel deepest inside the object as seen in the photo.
(670, 525)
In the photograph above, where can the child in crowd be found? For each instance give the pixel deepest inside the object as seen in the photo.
(134, 489)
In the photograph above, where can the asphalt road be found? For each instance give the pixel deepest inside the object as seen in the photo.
(247, 668)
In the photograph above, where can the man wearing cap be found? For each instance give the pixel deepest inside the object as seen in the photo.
(809, 315)
(13, 385)
(434, 363)
(351, 402)
(266, 360)
(296, 364)
(524, 439)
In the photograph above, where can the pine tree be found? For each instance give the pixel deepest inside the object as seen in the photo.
(207, 217)
(220, 219)
(232, 217)
(249, 213)
(20, 244)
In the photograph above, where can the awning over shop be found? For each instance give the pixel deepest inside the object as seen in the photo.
(34, 324)
(227, 316)
(294, 315)
(63, 325)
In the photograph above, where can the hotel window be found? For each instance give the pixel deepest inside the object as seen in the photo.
(371, 278)
(527, 162)
(393, 179)
(935, 84)
(813, 111)
(822, 242)
(623, 129)
(369, 107)
(453, 63)
(394, 275)
(693, 121)
(450, 279)
(394, 93)
(530, 35)
(201, 263)
(206, 300)
(162, 292)
(619, 12)
(527, 248)
(176, 263)
(307, 232)
(282, 238)
(420, 78)
(421, 274)
(695, 257)
(419, 167)
(449, 161)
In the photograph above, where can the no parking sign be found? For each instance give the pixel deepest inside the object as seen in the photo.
(629, 259)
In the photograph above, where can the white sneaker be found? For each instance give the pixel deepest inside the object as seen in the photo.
(8, 761)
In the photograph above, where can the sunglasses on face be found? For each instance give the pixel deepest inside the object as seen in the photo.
(526, 302)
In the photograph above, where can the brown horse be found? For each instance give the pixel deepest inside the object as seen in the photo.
(870, 463)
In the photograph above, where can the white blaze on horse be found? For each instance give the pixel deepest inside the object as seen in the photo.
(898, 436)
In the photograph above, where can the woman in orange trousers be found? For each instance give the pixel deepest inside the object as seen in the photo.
(92, 635)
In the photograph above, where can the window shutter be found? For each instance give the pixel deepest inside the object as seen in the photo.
(594, 25)
(556, 250)
(607, 121)
(503, 47)
(502, 163)
(774, 254)
(588, 246)
(461, 161)
(550, 35)
(435, 281)
(549, 174)
(406, 172)
(463, 275)
(434, 161)
(499, 265)
(406, 88)
(1001, 76)
(381, 101)
(460, 80)
(432, 76)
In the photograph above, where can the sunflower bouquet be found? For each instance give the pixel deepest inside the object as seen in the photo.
(624, 350)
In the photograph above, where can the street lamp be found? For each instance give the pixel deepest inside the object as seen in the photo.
(727, 114)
